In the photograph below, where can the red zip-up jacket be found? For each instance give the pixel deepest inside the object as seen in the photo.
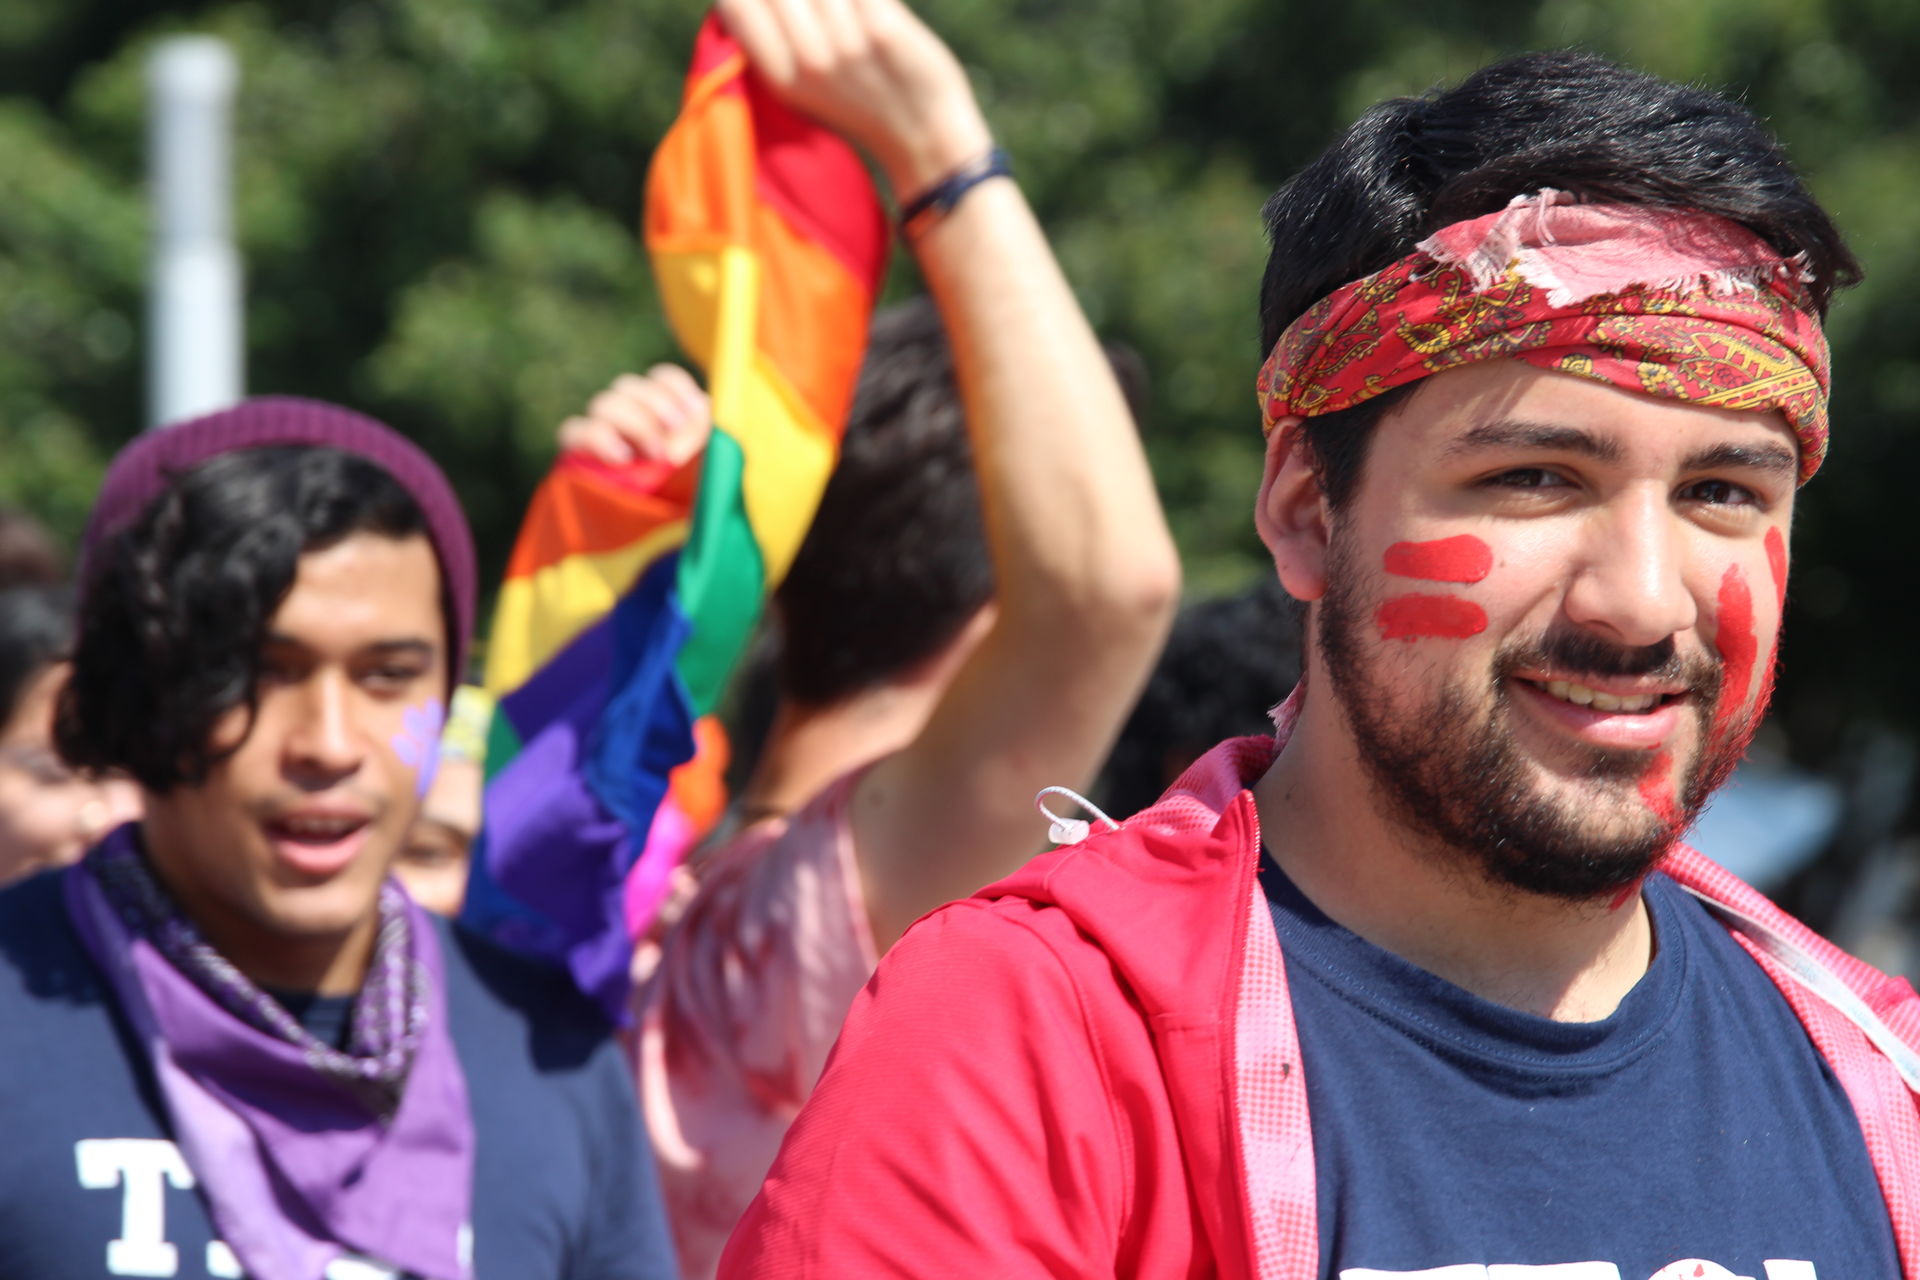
(1091, 1069)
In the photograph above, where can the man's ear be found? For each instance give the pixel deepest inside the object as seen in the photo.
(1291, 514)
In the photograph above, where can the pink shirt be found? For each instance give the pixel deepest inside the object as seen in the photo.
(747, 996)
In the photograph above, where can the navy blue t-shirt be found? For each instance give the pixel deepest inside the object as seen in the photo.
(92, 1185)
(1696, 1124)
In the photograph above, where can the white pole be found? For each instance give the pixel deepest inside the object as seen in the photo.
(194, 324)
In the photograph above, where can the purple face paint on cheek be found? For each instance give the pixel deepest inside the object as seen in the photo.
(418, 743)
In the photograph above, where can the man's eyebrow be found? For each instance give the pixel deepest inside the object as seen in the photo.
(1545, 436)
(385, 648)
(1771, 457)
(397, 648)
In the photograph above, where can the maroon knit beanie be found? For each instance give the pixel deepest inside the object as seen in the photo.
(146, 467)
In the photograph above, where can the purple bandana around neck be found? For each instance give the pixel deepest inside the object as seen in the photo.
(296, 1164)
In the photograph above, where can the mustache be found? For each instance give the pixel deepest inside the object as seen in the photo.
(1581, 653)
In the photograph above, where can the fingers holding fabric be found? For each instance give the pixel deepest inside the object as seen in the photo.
(805, 30)
(761, 35)
(874, 73)
(663, 416)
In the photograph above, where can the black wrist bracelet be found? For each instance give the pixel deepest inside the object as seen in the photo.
(939, 199)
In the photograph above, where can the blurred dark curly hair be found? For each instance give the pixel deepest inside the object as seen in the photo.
(175, 607)
(35, 632)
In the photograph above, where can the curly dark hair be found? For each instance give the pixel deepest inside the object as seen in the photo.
(1567, 120)
(36, 629)
(896, 560)
(175, 608)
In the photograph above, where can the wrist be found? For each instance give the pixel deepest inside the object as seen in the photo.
(936, 152)
(923, 209)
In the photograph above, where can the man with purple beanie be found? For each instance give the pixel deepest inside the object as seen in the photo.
(231, 1045)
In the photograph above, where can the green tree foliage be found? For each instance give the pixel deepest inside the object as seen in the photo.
(437, 203)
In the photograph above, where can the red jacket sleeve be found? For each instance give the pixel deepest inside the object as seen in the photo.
(965, 1125)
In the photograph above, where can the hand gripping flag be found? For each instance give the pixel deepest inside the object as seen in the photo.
(632, 590)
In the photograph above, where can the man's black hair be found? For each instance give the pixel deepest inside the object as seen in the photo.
(1568, 121)
(35, 632)
(896, 560)
(174, 615)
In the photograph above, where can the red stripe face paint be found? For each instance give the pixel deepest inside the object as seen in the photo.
(1733, 637)
(1461, 559)
(1418, 617)
(1777, 561)
(1625, 895)
(1656, 791)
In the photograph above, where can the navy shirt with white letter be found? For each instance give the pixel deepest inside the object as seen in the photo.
(1694, 1133)
(91, 1183)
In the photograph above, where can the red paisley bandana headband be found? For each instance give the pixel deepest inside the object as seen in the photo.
(1688, 306)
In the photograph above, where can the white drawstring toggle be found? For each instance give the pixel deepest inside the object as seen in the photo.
(1070, 830)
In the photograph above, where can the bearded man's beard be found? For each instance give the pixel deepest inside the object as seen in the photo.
(1451, 769)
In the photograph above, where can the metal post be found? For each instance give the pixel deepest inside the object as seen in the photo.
(194, 323)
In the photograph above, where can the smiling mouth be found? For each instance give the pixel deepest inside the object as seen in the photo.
(1582, 696)
(316, 830)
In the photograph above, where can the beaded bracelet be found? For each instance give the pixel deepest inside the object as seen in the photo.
(938, 200)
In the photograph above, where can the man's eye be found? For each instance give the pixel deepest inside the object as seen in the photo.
(430, 855)
(393, 677)
(1719, 493)
(1526, 478)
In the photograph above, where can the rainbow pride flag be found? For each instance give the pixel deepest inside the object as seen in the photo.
(633, 590)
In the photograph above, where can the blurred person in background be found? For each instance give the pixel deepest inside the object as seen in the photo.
(433, 861)
(49, 814)
(232, 1046)
(981, 593)
(1227, 664)
(892, 591)
(28, 554)
(1427, 983)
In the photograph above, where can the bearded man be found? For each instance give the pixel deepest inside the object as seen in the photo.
(1427, 984)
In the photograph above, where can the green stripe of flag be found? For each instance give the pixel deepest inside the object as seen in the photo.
(721, 576)
(503, 744)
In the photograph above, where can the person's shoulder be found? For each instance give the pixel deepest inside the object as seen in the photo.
(36, 935)
(35, 903)
(1004, 948)
(1740, 908)
(820, 824)
(47, 980)
(488, 983)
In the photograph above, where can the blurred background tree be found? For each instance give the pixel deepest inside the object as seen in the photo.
(437, 202)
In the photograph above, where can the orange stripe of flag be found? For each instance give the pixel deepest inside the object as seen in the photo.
(588, 508)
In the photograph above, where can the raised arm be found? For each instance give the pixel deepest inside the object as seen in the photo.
(1087, 574)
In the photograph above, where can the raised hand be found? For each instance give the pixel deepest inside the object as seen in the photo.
(874, 73)
(663, 416)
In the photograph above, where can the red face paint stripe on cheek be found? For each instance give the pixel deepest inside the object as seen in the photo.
(1733, 637)
(1418, 617)
(1460, 559)
(1777, 561)
(1656, 789)
(1656, 792)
